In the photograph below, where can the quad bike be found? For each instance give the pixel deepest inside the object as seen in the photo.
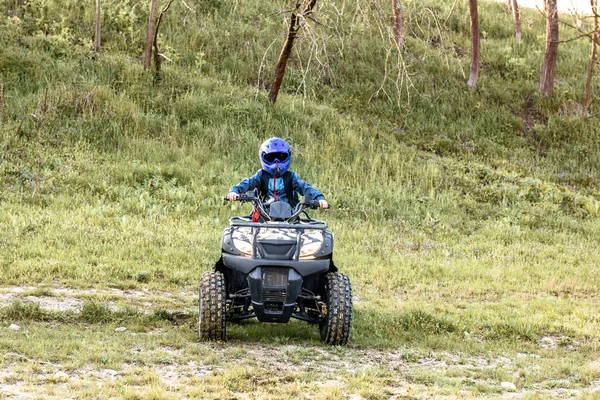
(277, 268)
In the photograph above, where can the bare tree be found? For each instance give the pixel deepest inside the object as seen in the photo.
(150, 34)
(97, 42)
(298, 17)
(397, 22)
(549, 66)
(474, 76)
(595, 40)
(516, 11)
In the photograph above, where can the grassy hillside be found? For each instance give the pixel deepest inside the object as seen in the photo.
(467, 222)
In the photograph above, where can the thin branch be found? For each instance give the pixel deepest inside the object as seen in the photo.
(582, 33)
(385, 78)
(382, 18)
(450, 13)
(188, 7)
(280, 12)
(588, 35)
(304, 72)
(316, 21)
(165, 57)
(262, 62)
(439, 29)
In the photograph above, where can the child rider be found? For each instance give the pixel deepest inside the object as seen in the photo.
(274, 181)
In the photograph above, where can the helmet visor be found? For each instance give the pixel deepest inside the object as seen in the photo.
(279, 157)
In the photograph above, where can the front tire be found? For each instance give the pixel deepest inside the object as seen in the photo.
(211, 324)
(335, 328)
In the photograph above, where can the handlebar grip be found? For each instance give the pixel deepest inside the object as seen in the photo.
(241, 197)
(313, 204)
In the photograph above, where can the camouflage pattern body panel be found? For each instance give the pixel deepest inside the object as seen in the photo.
(243, 233)
(246, 234)
(277, 234)
(312, 236)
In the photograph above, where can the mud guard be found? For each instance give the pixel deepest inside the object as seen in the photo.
(218, 266)
(332, 267)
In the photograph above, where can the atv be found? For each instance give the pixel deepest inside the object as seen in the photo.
(278, 267)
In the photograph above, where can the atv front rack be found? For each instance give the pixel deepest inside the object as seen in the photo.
(303, 224)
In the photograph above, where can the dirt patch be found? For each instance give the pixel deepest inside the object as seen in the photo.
(555, 341)
(319, 362)
(402, 369)
(56, 303)
(399, 368)
(67, 299)
(531, 116)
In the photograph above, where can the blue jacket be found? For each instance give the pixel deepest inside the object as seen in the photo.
(276, 189)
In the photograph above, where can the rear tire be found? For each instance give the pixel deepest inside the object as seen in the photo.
(335, 328)
(211, 324)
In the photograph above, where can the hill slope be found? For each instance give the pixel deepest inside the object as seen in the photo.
(467, 222)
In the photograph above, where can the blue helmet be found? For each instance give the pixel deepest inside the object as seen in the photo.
(275, 156)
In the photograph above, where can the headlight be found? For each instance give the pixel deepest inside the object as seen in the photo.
(309, 249)
(243, 247)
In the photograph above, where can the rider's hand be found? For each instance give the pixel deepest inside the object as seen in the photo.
(323, 204)
(232, 196)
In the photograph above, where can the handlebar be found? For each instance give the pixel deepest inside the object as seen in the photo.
(312, 204)
(252, 197)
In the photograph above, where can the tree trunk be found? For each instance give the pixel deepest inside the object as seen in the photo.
(474, 76)
(97, 42)
(156, 53)
(283, 58)
(286, 51)
(549, 66)
(397, 21)
(595, 40)
(150, 34)
(517, 17)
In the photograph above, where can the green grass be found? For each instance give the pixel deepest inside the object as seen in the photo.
(467, 222)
